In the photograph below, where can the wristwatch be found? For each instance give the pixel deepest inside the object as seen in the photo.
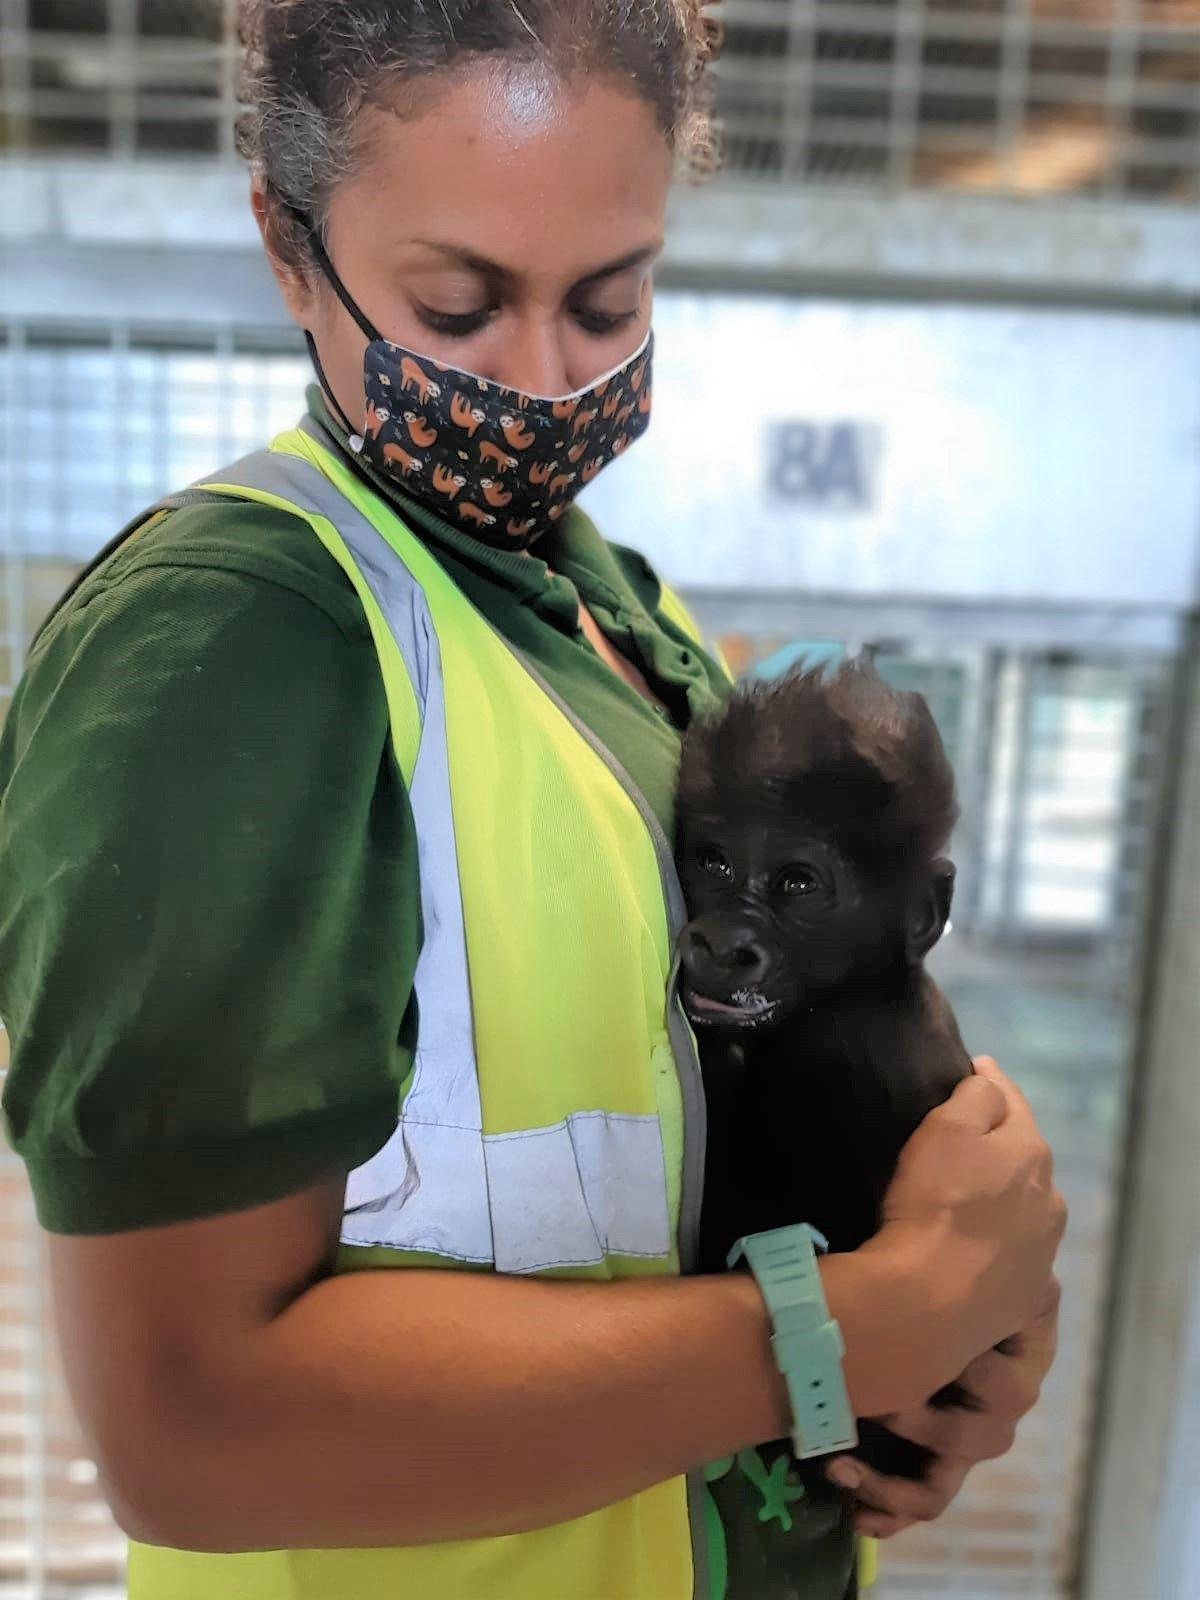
(807, 1342)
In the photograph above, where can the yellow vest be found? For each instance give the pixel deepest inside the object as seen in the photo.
(562, 1138)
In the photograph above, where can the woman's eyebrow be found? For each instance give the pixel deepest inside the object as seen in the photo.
(505, 275)
(635, 258)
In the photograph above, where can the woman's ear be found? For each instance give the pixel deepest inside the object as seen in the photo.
(294, 283)
(930, 910)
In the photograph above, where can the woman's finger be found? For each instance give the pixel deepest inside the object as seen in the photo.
(976, 1106)
(1009, 1384)
(878, 1525)
(899, 1499)
(1015, 1098)
(1002, 1390)
(968, 1436)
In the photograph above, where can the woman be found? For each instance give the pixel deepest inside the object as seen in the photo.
(344, 781)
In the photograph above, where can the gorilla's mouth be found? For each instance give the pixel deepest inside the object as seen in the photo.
(746, 1008)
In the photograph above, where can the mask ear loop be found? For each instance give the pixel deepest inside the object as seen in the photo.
(355, 438)
(372, 333)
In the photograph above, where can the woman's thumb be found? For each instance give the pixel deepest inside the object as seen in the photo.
(978, 1104)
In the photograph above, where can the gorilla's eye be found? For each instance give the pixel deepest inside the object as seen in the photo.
(709, 859)
(797, 880)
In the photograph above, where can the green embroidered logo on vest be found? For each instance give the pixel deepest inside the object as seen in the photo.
(778, 1490)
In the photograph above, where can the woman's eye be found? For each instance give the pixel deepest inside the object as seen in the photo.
(602, 322)
(710, 860)
(456, 324)
(797, 880)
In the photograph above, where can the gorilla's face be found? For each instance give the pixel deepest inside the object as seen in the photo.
(780, 918)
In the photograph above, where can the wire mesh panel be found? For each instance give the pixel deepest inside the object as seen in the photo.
(99, 427)
(133, 77)
(1060, 96)
(1061, 759)
(1091, 97)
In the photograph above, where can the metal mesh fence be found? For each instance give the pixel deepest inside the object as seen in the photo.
(1096, 97)
(1086, 97)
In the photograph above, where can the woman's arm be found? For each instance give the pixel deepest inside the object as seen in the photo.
(239, 1397)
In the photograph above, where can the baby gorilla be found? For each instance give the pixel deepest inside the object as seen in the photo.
(812, 811)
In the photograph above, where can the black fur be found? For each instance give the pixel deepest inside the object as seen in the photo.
(811, 814)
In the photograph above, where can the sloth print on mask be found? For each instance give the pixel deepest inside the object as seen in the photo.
(504, 465)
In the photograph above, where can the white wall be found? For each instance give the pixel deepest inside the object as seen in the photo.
(1040, 455)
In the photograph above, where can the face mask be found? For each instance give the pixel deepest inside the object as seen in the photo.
(503, 465)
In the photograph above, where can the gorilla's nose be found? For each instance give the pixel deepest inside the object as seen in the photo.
(723, 957)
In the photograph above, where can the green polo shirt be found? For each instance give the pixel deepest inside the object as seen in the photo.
(209, 910)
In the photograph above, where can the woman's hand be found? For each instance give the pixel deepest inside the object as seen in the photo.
(1004, 1386)
(974, 1208)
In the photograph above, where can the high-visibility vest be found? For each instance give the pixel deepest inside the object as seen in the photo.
(553, 1124)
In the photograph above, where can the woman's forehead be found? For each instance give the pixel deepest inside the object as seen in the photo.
(544, 178)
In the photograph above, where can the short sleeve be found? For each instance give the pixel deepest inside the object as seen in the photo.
(209, 911)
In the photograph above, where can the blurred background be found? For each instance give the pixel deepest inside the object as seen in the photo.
(929, 386)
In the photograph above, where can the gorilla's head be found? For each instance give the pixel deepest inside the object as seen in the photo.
(811, 811)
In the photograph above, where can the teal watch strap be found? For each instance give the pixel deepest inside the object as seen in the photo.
(807, 1342)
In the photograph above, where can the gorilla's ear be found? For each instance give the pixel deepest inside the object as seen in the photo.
(930, 910)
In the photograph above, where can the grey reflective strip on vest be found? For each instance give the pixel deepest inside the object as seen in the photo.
(564, 1195)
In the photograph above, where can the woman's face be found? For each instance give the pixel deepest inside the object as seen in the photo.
(509, 228)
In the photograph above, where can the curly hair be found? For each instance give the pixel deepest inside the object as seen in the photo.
(310, 66)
